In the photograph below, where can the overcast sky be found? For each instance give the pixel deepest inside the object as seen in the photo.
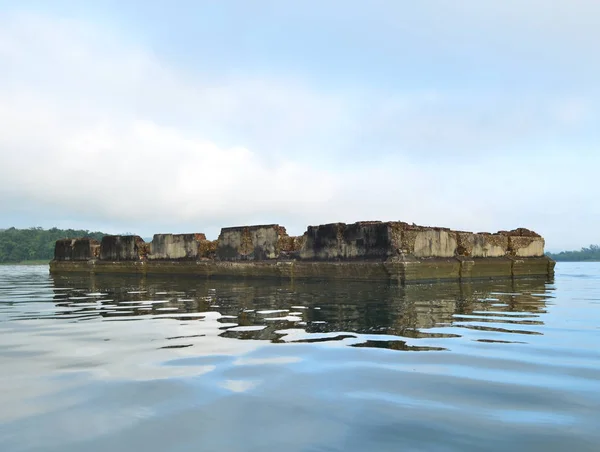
(186, 116)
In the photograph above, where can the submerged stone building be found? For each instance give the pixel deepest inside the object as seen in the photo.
(370, 250)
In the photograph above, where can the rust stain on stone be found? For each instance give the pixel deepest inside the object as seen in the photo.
(246, 246)
(207, 249)
(464, 241)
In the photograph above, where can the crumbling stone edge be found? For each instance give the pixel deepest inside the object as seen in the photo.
(369, 250)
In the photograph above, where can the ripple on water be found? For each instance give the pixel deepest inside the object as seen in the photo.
(99, 362)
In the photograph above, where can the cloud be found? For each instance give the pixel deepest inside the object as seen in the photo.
(98, 129)
(94, 132)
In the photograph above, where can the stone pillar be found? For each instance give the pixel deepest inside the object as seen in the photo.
(250, 243)
(176, 246)
(122, 248)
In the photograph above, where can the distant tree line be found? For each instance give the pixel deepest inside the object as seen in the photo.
(17, 245)
(592, 253)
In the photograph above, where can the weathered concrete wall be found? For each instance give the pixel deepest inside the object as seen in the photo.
(373, 250)
(428, 242)
(85, 249)
(490, 245)
(485, 267)
(63, 250)
(436, 269)
(526, 246)
(322, 242)
(361, 240)
(481, 244)
(524, 243)
(371, 240)
(401, 272)
(122, 248)
(250, 242)
(531, 266)
(336, 241)
(82, 249)
(176, 246)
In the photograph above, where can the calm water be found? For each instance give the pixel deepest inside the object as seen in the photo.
(121, 363)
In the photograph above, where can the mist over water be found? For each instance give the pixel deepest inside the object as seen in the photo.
(113, 362)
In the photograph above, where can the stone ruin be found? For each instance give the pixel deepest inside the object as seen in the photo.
(367, 240)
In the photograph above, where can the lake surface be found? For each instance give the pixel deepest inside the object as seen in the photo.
(122, 363)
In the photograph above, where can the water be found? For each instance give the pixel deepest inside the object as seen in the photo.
(126, 363)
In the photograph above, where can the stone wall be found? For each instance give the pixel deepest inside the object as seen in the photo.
(322, 242)
(370, 240)
(481, 244)
(176, 246)
(421, 241)
(372, 250)
(82, 249)
(63, 250)
(526, 246)
(250, 243)
(362, 240)
(85, 249)
(378, 240)
(122, 248)
(367, 240)
(524, 243)
(374, 240)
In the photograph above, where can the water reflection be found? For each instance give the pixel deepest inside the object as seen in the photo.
(355, 313)
(115, 363)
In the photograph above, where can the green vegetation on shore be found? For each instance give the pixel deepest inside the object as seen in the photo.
(35, 245)
(590, 254)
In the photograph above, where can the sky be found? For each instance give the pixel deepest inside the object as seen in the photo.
(188, 116)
